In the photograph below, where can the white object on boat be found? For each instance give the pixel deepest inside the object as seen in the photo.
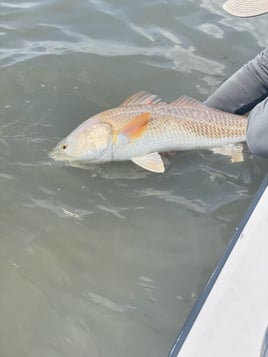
(230, 317)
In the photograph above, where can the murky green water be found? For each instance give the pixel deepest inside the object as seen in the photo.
(109, 261)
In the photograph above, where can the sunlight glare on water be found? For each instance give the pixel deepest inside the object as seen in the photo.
(108, 260)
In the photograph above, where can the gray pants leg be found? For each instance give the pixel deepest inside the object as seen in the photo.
(257, 132)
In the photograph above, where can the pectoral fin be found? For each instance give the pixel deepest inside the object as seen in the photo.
(151, 162)
(136, 127)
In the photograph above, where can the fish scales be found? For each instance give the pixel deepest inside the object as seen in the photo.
(190, 128)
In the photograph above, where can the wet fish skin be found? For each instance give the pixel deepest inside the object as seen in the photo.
(144, 126)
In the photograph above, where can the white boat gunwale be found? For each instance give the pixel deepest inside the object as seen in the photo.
(215, 274)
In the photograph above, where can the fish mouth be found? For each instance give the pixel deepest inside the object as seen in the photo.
(58, 156)
(52, 155)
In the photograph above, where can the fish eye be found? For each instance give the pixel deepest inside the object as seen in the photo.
(64, 146)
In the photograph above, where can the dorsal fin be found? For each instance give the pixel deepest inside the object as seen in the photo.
(185, 101)
(142, 98)
(189, 102)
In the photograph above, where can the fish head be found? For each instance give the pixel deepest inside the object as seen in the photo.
(91, 141)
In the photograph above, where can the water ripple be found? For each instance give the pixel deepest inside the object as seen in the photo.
(22, 5)
(106, 303)
(58, 209)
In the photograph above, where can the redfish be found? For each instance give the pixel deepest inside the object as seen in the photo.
(144, 126)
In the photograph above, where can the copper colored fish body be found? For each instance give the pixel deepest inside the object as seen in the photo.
(144, 126)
